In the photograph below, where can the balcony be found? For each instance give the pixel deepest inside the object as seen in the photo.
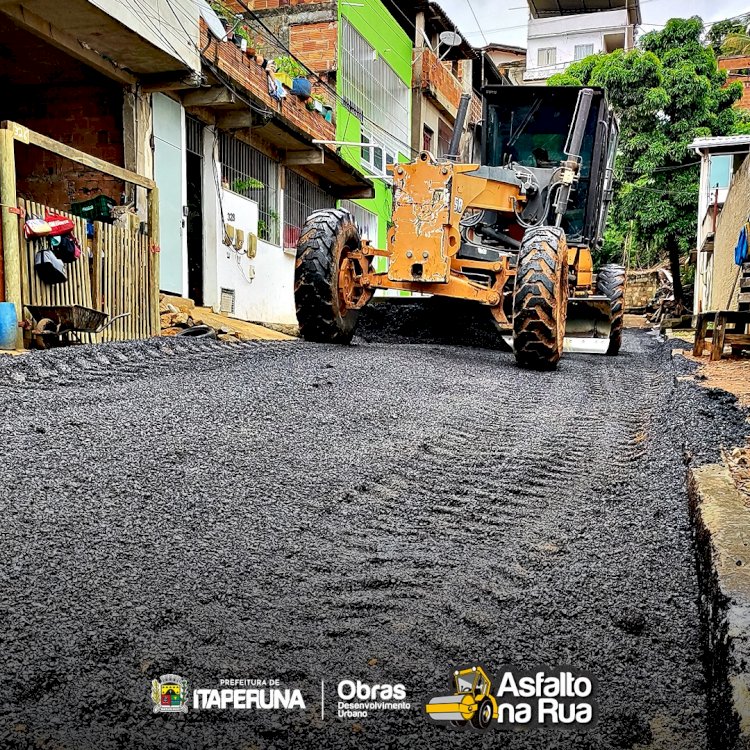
(436, 81)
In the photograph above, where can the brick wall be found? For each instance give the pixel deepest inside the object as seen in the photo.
(315, 44)
(252, 77)
(87, 116)
(435, 80)
(734, 214)
(735, 67)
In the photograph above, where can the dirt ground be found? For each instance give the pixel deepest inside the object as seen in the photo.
(731, 374)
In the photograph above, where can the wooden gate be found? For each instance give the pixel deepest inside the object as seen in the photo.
(112, 275)
(118, 271)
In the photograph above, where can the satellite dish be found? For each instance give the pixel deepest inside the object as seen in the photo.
(215, 26)
(450, 39)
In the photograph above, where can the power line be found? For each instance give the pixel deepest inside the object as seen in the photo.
(479, 26)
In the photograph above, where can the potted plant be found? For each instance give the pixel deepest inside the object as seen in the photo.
(249, 183)
(293, 75)
(319, 103)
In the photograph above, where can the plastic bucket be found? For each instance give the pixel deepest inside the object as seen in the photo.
(8, 325)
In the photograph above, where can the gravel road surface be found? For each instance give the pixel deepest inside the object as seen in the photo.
(381, 512)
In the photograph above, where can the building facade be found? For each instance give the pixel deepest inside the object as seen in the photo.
(724, 181)
(561, 33)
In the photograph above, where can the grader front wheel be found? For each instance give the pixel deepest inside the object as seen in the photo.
(327, 292)
(540, 299)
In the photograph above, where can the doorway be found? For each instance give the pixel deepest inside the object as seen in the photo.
(194, 217)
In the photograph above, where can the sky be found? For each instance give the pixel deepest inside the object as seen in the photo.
(504, 21)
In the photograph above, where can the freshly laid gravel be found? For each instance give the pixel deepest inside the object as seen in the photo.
(373, 512)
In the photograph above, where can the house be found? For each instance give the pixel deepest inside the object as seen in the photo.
(443, 69)
(76, 80)
(241, 162)
(361, 58)
(738, 69)
(509, 60)
(561, 32)
(723, 208)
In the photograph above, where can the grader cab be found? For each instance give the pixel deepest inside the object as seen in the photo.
(513, 233)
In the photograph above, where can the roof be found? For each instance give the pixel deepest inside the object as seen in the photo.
(551, 8)
(724, 143)
(503, 48)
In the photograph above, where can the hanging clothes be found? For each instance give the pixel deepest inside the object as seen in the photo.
(740, 251)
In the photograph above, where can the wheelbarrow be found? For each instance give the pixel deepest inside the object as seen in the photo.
(59, 325)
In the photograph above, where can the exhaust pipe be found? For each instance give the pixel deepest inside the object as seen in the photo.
(458, 128)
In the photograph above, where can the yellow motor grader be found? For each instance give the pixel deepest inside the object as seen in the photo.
(513, 233)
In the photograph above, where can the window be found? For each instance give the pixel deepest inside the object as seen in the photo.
(720, 171)
(366, 220)
(373, 156)
(373, 87)
(242, 164)
(444, 138)
(427, 139)
(583, 50)
(546, 56)
(301, 198)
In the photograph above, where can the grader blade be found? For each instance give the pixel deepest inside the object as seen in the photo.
(588, 325)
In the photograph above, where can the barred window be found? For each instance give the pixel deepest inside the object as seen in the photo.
(366, 220)
(301, 198)
(251, 173)
(372, 86)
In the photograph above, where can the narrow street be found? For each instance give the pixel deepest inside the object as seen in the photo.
(378, 512)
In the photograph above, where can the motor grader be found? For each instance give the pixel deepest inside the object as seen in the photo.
(513, 233)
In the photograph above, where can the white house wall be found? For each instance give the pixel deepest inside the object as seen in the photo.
(263, 286)
(565, 32)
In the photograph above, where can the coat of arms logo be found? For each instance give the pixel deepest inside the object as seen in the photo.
(169, 694)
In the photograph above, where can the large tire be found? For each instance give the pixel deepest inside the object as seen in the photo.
(540, 298)
(610, 281)
(321, 312)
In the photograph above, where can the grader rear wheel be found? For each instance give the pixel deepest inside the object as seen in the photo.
(327, 292)
(610, 281)
(540, 299)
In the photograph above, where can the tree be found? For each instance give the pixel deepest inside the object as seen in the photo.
(666, 92)
(719, 31)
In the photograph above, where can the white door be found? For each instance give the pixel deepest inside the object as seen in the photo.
(169, 173)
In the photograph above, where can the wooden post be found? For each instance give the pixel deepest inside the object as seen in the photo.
(717, 342)
(96, 268)
(9, 227)
(701, 327)
(153, 261)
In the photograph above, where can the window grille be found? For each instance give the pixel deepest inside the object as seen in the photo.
(241, 163)
(301, 198)
(373, 87)
(366, 220)
(194, 136)
(583, 50)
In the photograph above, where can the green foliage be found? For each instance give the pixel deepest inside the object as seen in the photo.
(718, 33)
(666, 92)
(290, 66)
(249, 183)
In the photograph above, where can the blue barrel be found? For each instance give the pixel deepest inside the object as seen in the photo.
(8, 325)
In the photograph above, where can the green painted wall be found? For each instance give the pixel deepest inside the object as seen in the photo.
(390, 41)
